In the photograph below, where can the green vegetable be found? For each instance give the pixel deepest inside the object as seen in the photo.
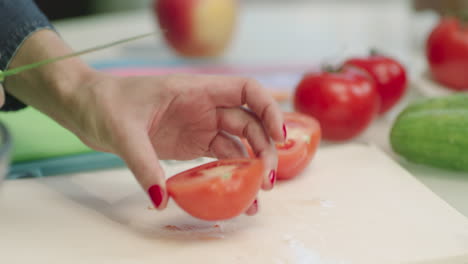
(434, 132)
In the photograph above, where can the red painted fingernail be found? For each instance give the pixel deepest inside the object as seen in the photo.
(255, 207)
(285, 132)
(272, 177)
(156, 194)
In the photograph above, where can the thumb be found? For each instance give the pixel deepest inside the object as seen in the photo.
(138, 153)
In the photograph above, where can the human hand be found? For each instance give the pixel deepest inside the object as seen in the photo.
(181, 117)
(144, 119)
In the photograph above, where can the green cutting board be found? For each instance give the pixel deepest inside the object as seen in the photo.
(41, 147)
(36, 136)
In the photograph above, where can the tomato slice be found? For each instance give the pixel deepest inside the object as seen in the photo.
(304, 135)
(296, 153)
(218, 190)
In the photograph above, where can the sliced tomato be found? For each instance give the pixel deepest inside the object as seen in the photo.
(295, 154)
(304, 135)
(218, 190)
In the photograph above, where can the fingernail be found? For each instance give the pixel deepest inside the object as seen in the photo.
(272, 177)
(285, 132)
(156, 194)
(253, 209)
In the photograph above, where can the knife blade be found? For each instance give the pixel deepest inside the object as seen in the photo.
(17, 70)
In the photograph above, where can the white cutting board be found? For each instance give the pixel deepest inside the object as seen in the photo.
(352, 205)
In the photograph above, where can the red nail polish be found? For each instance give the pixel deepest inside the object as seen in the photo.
(156, 194)
(255, 204)
(285, 132)
(253, 209)
(272, 177)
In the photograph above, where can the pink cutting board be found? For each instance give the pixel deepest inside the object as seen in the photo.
(280, 77)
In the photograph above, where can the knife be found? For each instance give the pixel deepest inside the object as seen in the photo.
(10, 72)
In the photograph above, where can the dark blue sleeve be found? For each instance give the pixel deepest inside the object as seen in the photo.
(18, 20)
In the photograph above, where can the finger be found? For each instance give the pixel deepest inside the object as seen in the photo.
(235, 91)
(253, 209)
(136, 150)
(225, 146)
(270, 158)
(241, 123)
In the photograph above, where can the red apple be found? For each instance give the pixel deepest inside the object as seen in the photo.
(197, 28)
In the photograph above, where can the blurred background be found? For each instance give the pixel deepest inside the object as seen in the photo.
(335, 28)
(424, 11)
(57, 9)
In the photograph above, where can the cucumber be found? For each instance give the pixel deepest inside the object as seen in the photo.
(434, 132)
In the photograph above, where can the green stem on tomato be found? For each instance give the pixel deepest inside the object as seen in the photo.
(331, 69)
(374, 52)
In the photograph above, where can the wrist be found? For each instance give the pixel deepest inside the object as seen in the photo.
(50, 88)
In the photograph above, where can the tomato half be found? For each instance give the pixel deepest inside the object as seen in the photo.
(447, 53)
(389, 76)
(345, 102)
(296, 153)
(218, 190)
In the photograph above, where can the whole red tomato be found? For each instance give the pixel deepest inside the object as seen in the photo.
(447, 53)
(389, 77)
(343, 102)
